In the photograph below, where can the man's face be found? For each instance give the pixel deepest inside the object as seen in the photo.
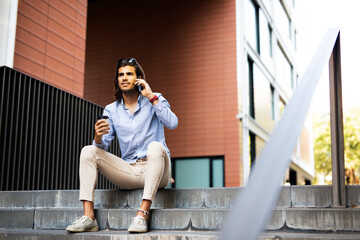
(126, 78)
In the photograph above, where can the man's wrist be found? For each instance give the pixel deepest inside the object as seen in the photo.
(154, 100)
(97, 140)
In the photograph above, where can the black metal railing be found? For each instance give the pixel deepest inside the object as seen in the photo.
(42, 131)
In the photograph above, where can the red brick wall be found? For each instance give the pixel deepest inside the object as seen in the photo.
(50, 42)
(188, 51)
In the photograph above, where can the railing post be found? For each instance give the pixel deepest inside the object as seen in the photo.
(336, 124)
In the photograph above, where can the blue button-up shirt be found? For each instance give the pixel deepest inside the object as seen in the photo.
(136, 131)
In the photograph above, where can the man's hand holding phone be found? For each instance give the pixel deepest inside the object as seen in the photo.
(102, 127)
(140, 83)
(145, 89)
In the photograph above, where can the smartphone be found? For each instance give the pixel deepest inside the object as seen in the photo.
(140, 87)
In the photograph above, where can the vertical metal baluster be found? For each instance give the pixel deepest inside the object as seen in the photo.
(58, 137)
(39, 132)
(32, 94)
(44, 141)
(50, 141)
(54, 139)
(68, 143)
(35, 135)
(43, 176)
(75, 156)
(46, 145)
(24, 133)
(62, 136)
(19, 132)
(5, 90)
(80, 138)
(10, 157)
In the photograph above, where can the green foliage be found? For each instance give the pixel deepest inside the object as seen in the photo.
(352, 139)
(322, 143)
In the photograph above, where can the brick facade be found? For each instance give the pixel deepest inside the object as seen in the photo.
(50, 42)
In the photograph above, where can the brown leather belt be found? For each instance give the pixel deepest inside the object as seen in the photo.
(141, 160)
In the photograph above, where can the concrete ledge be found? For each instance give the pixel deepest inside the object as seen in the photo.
(115, 219)
(353, 195)
(28, 199)
(295, 219)
(17, 219)
(165, 198)
(294, 196)
(311, 196)
(194, 219)
(105, 235)
(308, 236)
(162, 235)
(48, 219)
(324, 219)
(276, 221)
(171, 219)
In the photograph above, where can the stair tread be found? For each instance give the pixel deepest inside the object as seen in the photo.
(123, 234)
(119, 234)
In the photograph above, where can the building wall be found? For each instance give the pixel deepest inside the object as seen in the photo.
(270, 50)
(50, 42)
(188, 52)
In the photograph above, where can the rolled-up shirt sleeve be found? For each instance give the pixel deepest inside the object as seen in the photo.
(164, 113)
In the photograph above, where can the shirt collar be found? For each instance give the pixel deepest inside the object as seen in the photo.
(121, 101)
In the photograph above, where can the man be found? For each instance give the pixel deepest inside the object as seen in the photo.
(137, 118)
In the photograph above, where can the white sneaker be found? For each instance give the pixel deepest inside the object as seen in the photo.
(138, 225)
(83, 224)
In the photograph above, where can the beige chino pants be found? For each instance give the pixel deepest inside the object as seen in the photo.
(151, 174)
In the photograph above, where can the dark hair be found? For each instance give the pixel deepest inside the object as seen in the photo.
(123, 63)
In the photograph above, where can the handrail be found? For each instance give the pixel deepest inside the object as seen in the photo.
(256, 202)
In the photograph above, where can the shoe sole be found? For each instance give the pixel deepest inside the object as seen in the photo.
(95, 229)
(137, 230)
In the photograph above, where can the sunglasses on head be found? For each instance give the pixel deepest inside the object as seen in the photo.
(129, 60)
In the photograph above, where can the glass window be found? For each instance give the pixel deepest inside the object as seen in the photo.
(268, 4)
(252, 24)
(198, 172)
(265, 37)
(283, 21)
(252, 149)
(283, 70)
(281, 107)
(262, 98)
(270, 40)
(251, 88)
(218, 172)
(192, 173)
(272, 102)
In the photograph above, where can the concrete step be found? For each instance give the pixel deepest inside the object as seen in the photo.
(308, 236)
(165, 198)
(294, 219)
(162, 235)
(104, 235)
(294, 196)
